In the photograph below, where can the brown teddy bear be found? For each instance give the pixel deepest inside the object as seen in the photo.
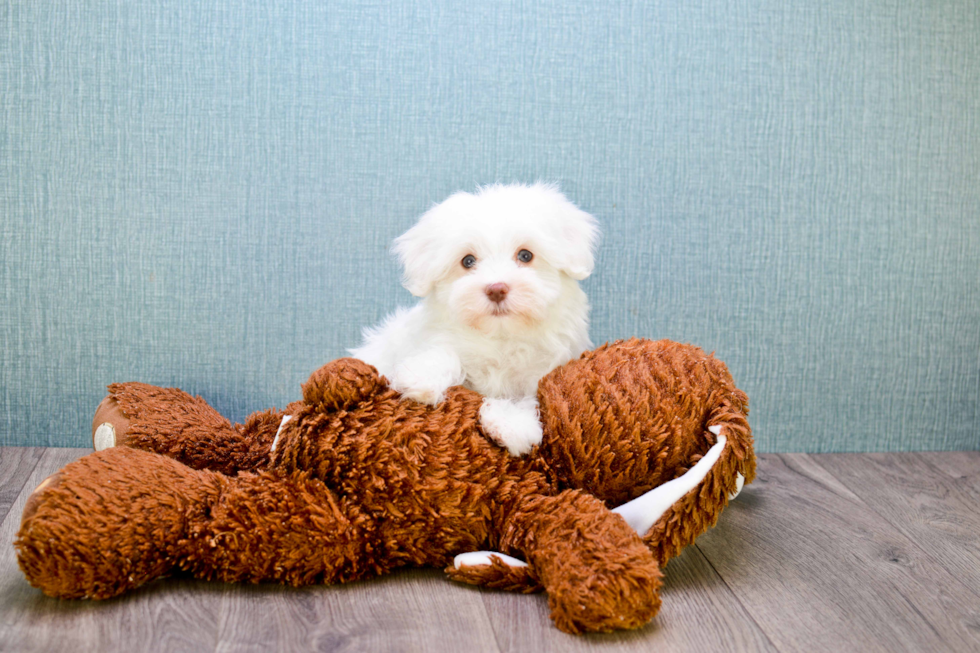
(354, 481)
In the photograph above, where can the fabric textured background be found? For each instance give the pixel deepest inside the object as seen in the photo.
(202, 194)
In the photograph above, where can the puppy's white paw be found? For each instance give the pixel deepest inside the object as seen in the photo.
(428, 396)
(415, 387)
(513, 425)
(425, 378)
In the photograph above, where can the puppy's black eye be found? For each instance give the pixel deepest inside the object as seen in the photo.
(525, 256)
(468, 261)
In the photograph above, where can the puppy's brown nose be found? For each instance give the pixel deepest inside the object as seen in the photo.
(497, 291)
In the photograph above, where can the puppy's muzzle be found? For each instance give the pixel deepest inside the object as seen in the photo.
(497, 292)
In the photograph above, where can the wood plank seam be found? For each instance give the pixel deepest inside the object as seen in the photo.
(493, 627)
(731, 590)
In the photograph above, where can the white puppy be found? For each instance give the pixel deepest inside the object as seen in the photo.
(498, 275)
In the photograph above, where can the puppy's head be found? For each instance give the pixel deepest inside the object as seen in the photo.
(500, 256)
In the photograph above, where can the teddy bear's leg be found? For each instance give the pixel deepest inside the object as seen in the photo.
(286, 529)
(119, 518)
(173, 423)
(598, 573)
(109, 522)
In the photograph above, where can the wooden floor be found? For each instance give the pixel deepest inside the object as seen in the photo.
(844, 552)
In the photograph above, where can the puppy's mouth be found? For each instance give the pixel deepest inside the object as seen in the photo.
(498, 317)
(510, 315)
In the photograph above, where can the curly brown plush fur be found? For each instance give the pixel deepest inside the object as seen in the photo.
(360, 482)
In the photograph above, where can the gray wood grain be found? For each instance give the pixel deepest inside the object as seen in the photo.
(521, 623)
(412, 610)
(16, 465)
(699, 613)
(818, 570)
(963, 465)
(935, 510)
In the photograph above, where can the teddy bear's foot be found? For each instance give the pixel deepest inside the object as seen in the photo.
(109, 425)
(34, 500)
(95, 530)
(104, 437)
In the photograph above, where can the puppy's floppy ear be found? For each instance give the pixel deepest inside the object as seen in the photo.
(577, 233)
(425, 251)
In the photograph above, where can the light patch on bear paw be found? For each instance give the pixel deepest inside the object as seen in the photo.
(483, 558)
(739, 482)
(282, 424)
(105, 436)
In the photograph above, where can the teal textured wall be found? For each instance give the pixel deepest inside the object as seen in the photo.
(202, 193)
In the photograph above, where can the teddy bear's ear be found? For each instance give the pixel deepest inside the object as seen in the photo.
(340, 384)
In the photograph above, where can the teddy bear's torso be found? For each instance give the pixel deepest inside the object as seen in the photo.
(432, 483)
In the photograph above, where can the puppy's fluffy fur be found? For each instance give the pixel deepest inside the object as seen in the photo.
(460, 258)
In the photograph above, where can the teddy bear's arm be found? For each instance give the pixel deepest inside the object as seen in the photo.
(171, 422)
(339, 384)
(499, 571)
(598, 573)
